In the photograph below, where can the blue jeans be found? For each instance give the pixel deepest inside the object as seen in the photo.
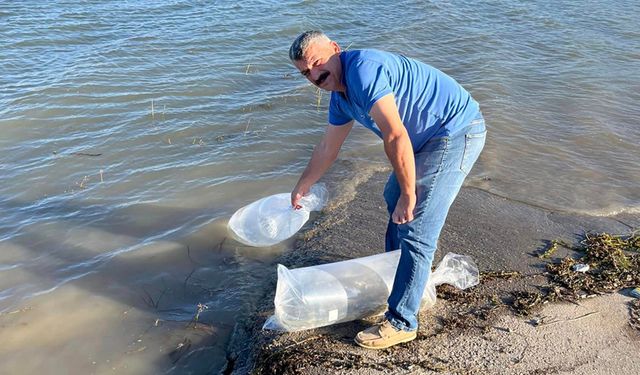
(442, 164)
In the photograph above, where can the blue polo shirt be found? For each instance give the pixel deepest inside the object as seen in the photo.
(430, 102)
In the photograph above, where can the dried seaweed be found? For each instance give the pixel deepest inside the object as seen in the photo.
(614, 264)
(634, 314)
(297, 359)
(553, 247)
(524, 302)
(633, 242)
(612, 267)
(505, 275)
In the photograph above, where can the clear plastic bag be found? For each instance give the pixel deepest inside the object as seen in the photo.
(339, 292)
(271, 219)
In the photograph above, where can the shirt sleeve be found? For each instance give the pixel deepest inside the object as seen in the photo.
(370, 83)
(337, 116)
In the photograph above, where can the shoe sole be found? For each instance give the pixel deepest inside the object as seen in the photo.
(386, 346)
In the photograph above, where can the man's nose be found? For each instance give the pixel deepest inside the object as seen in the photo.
(315, 73)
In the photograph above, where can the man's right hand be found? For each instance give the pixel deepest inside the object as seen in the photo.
(323, 156)
(298, 192)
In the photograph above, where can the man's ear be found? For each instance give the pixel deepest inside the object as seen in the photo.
(335, 46)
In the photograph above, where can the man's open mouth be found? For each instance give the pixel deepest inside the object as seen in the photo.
(322, 77)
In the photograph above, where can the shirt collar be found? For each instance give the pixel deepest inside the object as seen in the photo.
(344, 75)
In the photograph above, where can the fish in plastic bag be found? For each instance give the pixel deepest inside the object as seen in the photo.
(271, 219)
(326, 294)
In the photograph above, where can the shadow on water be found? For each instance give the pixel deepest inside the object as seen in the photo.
(187, 293)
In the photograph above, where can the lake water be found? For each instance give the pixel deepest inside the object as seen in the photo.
(132, 130)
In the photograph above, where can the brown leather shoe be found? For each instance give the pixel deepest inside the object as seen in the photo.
(383, 335)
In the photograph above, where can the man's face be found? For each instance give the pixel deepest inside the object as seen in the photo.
(320, 63)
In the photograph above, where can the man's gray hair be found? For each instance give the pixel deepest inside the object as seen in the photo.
(302, 42)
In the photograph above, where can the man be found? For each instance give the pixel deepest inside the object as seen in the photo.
(433, 133)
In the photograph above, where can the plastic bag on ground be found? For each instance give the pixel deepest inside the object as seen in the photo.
(339, 292)
(271, 219)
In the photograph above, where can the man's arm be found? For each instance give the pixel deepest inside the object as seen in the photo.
(399, 150)
(323, 156)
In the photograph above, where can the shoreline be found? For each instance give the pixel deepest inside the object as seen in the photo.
(502, 236)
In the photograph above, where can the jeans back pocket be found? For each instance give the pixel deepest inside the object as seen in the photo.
(473, 144)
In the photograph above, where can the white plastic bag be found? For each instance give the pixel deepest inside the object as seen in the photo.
(270, 220)
(339, 292)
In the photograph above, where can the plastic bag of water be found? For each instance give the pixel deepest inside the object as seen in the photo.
(271, 219)
(339, 292)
